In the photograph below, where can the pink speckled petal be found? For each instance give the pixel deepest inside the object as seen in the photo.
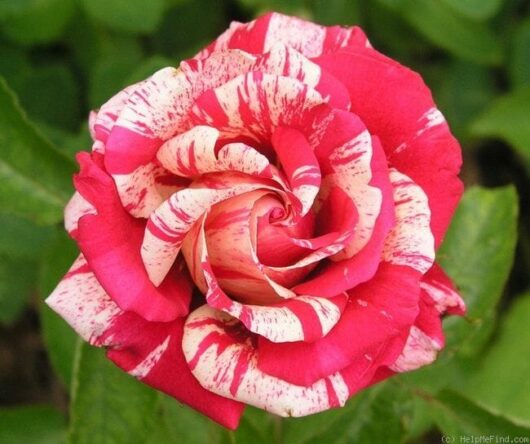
(411, 241)
(224, 360)
(308, 38)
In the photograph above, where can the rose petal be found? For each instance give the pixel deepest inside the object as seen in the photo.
(76, 207)
(442, 291)
(413, 132)
(102, 121)
(425, 339)
(344, 150)
(149, 351)
(143, 190)
(153, 112)
(169, 224)
(110, 240)
(230, 241)
(192, 153)
(301, 318)
(299, 164)
(337, 220)
(379, 312)
(310, 39)
(222, 357)
(254, 105)
(83, 303)
(288, 62)
(340, 276)
(411, 241)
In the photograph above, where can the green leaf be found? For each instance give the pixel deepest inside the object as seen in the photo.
(58, 336)
(293, 7)
(48, 80)
(13, 63)
(35, 178)
(22, 245)
(17, 279)
(133, 16)
(304, 430)
(179, 36)
(465, 89)
(148, 67)
(519, 61)
(37, 21)
(180, 423)
(394, 35)
(507, 119)
(458, 416)
(336, 12)
(67, 142)
(108, 406)
(256, 426)
(419, 420)
(485, 218)
(475, 9)
(54, 84)
(11, 7)
(501, 380)
(462, 37)
(22, 239)
(373, 415)
(117, 59)
(89, 42)
(31, 425)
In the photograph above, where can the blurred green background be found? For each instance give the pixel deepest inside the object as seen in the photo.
(61, 58)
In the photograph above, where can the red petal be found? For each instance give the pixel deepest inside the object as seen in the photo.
(378, 312)
(395, 104)
(110, 240)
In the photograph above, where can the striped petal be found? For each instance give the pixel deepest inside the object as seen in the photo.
(288, 62)
(149, 351)
(411, 241)
(310, 39)
(152, 353)
(236, 230)
(297, 319)
(76, 208)
(169, 224)
(442, 291)
(425, 339)
(299, 164)
(102, 121)
(157, 109)
(338, 276)
(378, 315)
(153, 112)
(192, 153)
(224, 360)
(143, 190)
(254, 105)
(416, 138)
(110, 240)
(83, 303)
(230, 240)
(337, 221)
(347, 164)
(420, 349)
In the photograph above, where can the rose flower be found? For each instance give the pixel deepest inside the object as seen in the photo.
(259, 226)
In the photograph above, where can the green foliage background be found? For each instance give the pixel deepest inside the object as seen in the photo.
(61, 58)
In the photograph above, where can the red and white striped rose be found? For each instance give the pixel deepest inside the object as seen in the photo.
(259, 226)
